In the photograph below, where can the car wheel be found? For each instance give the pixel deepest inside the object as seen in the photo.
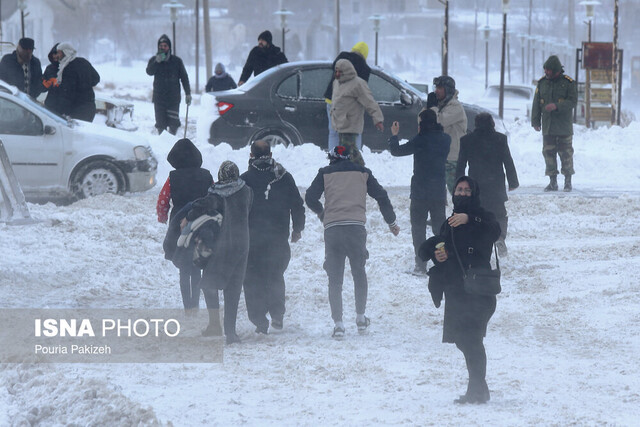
(274, 137)
(97, 178)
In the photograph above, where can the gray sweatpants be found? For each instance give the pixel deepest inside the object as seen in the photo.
(341, 242)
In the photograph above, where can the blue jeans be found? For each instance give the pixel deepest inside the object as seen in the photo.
(334, 139)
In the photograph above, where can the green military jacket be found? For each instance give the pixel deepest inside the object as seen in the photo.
(563, 92)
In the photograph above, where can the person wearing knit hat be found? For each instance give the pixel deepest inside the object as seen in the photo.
(23, 70)
(168, 72)
(552, 112)
(262, 57)
(221, 80)
(75, 80)
(358, 57)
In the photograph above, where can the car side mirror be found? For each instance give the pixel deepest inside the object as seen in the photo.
(49, 130)
(405, 98)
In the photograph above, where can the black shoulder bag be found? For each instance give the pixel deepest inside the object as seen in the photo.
(480, 280)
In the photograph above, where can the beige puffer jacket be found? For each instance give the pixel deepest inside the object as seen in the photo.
(351, 97)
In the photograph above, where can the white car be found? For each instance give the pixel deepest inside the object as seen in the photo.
(517, 100)
(56, 158)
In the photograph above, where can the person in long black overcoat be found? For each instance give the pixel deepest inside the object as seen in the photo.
(76, 79)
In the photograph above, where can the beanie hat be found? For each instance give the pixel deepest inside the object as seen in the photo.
(219, 68)
(228, 172)
(266, 36)
(484, 121)
(339, 152)
(164, 39)
(27, 43)
(362, 48)
(553, 64)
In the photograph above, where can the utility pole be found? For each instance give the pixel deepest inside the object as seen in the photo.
(533, 75)
(615, 107)
(207, 38)
(197, 46)
(445, 39)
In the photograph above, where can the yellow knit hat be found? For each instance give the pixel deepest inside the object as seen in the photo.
(361, 48)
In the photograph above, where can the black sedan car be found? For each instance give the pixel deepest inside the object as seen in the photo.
(285, 105)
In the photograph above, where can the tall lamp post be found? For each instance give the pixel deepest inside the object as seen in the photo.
(283, 13)
(486, 33)
(505, 10)
(173, 9)
(445, 39)
(522, 37)
(376, 29)
(589, 8)
(22, 5)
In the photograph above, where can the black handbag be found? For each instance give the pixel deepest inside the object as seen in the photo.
(480, 280)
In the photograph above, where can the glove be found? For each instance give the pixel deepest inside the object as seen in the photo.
(187, 99)
(161, 57)
(432, 100)
(50, 82)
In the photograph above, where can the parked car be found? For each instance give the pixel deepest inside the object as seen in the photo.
(285, 105)
(56, 158)
(518, 100)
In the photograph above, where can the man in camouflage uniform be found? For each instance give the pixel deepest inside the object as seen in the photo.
(553, 104)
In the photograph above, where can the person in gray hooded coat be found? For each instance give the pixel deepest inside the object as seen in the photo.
(228, 262)
(221, 80)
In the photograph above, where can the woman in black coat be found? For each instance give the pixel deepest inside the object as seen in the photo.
(488, 155)
(465, 315)
(76, 79)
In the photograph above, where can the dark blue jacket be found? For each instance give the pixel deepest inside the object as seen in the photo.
(430, 149)
(11, 72)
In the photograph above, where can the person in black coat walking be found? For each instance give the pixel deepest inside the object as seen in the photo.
(487, 153)
(23, 70)
(262, 57)
(466, 316)
(188, 182)
(429, 148)
(168, 72)
(276, 202)
(50, 80)
(227, 264)
(76, 79)
(221, 80)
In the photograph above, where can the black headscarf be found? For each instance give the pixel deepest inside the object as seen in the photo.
(466, 204)
(184, 154)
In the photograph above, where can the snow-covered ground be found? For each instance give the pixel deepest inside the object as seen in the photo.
(562, 347)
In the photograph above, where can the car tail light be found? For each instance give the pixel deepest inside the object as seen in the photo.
(223, 107)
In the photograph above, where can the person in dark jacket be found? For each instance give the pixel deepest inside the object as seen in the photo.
(428, 187)
(466, 316)
(188, 182)
(23, 70)
(221, 80)
(345, 185)
(262, 57)
(358, 57)
(50, 80)
(487, 153)
(276, 203)
(227, 264)
(75, 79)
(168, 72)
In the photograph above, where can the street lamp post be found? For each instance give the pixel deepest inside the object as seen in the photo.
(533, 40)
(283, 13)
(22, 5)
(486, 33)
(589, 6)
(522, 37)
(173, 8)
(445, 39)
(376, 28)
(505, 10)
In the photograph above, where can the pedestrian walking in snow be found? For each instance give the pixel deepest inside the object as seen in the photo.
(358, 57)
(345, 185)
(227, 263)
(75, 79)
(221, 80)
(188, 182)
(487, 153)
(351, 98)
(276, 203)
(168, 72)
(23, 70)
(262, 57)
(552, 112)
(453, 119)
(50, 80)
(465, 315)
(429, 148)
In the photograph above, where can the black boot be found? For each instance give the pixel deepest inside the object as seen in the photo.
(567, 183)
(553, 184)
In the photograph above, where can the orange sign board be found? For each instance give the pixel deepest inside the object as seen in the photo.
(597, 56)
